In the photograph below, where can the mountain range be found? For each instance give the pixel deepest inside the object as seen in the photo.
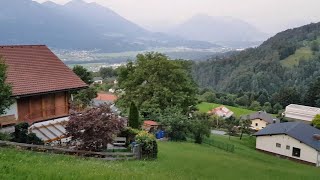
(222, 30)
(286, 62)
(82, 26)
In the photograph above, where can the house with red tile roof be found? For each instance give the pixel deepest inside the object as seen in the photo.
(221, 111)
(41, 84)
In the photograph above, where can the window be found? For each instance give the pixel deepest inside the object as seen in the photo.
(278, 145)
(288, 147)
(296, 152)
(256, 124)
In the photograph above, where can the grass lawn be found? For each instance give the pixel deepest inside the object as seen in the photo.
(205, 107)
(176, 161)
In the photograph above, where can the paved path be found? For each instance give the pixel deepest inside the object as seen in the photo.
(218, 132)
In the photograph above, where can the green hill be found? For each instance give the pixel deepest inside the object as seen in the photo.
(176, 161)
(289, 59)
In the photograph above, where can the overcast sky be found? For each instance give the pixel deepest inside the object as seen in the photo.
(267, 15)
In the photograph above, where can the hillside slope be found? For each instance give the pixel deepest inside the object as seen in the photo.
(289, 59)
(175, 161)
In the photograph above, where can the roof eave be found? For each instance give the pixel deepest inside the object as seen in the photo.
(48, 92)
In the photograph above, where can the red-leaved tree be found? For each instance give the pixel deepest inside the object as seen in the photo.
(93, 129)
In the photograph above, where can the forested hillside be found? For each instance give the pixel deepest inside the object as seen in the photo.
(287, 64)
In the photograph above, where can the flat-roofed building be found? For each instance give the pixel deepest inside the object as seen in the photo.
(301, 113)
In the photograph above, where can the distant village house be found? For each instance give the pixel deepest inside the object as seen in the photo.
(221, 111)
(97, 80)
(260, 120)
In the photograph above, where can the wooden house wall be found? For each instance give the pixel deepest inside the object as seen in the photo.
(43, 107)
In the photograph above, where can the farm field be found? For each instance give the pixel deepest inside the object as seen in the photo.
(205, 107)
(175, 161)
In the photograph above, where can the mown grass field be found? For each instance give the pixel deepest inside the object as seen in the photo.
(205, 107)
(175, 161)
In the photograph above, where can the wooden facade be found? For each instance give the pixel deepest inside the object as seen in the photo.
(43, 107)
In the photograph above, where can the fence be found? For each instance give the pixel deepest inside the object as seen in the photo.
(56, 150)
(219, 144)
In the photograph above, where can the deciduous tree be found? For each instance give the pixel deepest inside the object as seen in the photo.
(155, 82)
(83, 74)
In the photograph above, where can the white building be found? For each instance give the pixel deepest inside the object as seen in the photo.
(221, 111)
(293, 140)
(97, 80)
(299, 112)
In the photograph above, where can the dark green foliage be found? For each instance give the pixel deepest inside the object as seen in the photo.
(313, 93)
(261, 70)
(276, 108)
(83, 74)
(255, 105)
(154, 81)
(5, 89)
(107, 72)
(134, 120)
(83, 98)
(245, 127)
(5, 136)
(21, 135)
(200, 126)
(176, 123)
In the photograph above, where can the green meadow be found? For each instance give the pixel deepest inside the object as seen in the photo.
(176, 161)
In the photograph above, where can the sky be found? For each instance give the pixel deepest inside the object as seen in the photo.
(269, 16)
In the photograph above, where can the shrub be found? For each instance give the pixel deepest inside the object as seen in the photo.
(21, 135)
(5, 137)
(129, 133)
(95, 128)
(148, 144)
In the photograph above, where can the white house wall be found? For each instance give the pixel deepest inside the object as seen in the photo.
(268, 143)
(13, 110)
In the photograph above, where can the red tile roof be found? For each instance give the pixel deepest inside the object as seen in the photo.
(34, 69)
(150, 123)
(106, 97)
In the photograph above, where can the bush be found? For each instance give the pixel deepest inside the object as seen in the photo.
(95, 128)
(148, 144)
(21, 135)
(5, 137)
(129, 133)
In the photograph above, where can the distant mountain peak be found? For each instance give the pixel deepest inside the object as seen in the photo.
(76, 3)
(204, 27)
(50, 4)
